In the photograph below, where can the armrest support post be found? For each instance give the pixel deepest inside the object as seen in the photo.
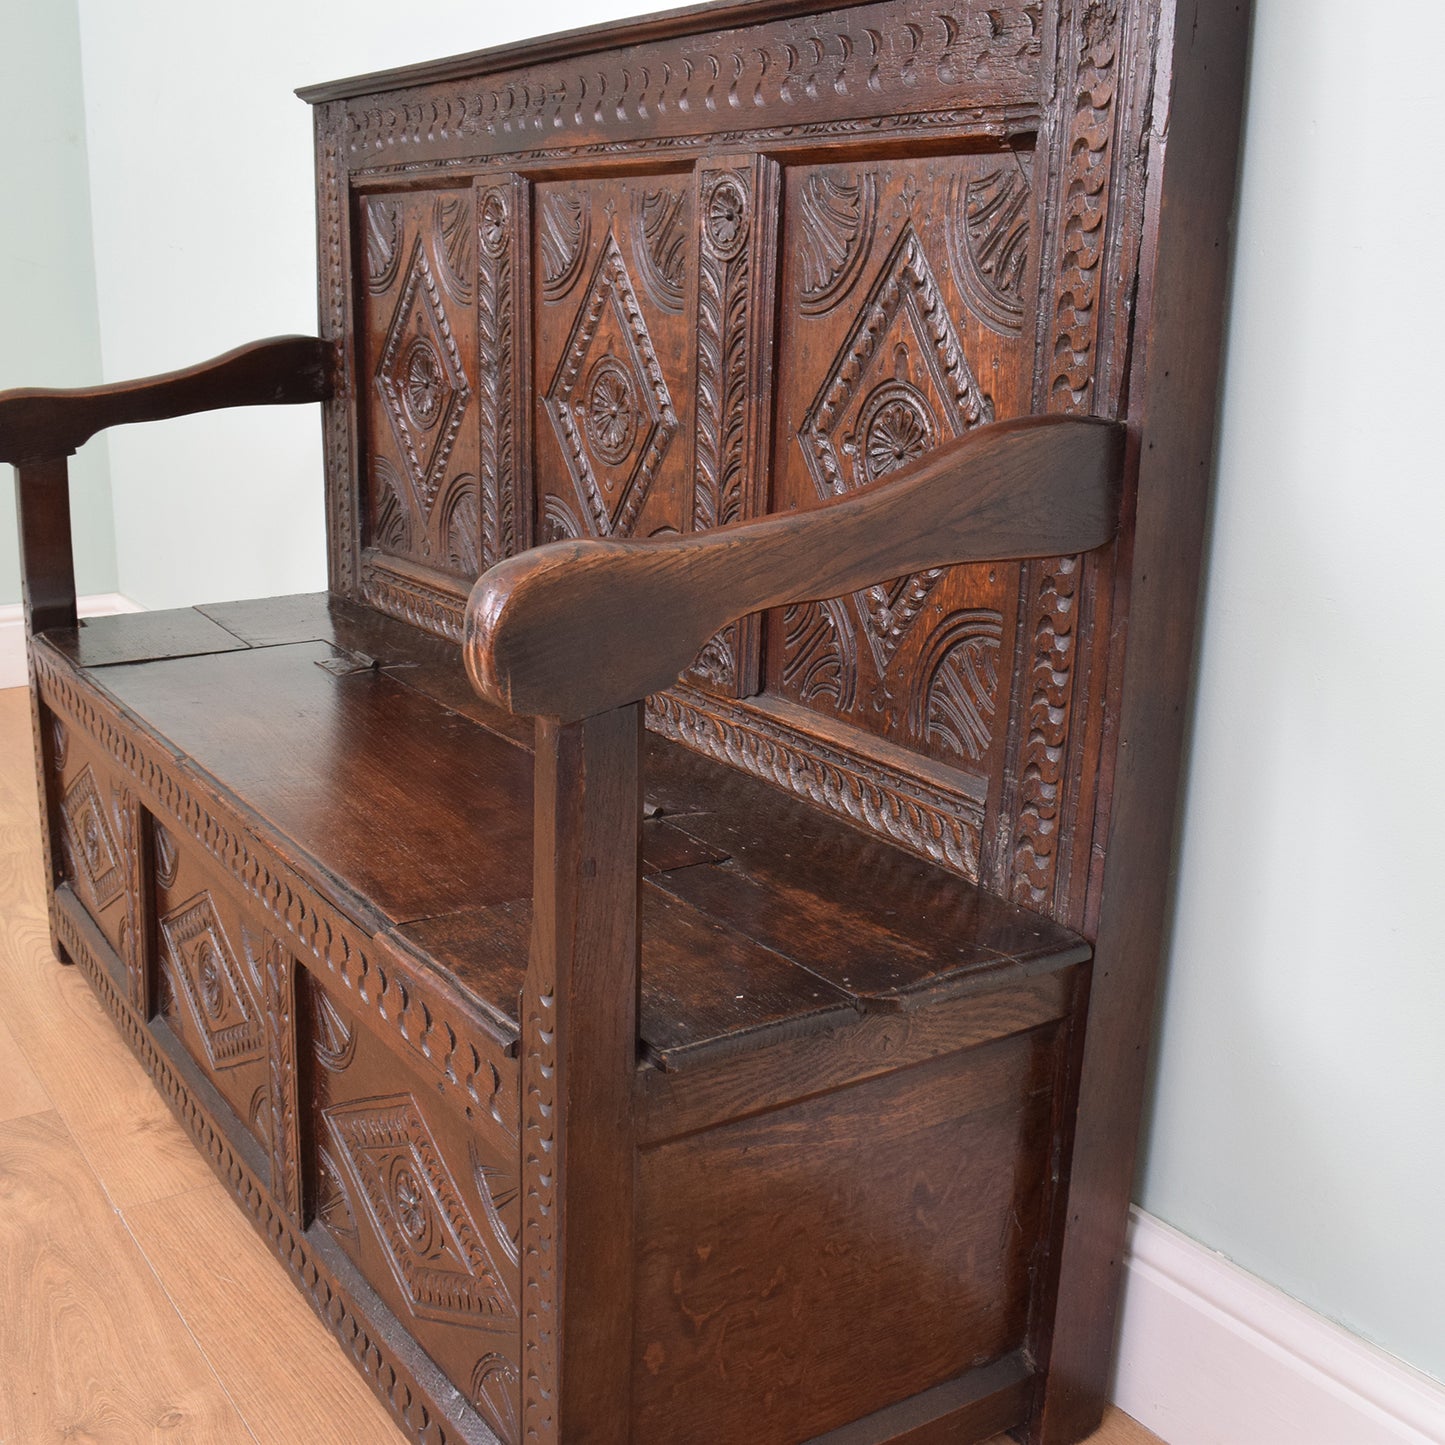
(47, 566)
(579, 1058)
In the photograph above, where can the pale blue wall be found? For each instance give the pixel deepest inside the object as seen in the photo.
(48, 320)
(1299, 1111)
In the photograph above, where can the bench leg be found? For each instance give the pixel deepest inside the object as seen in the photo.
(579, 1061)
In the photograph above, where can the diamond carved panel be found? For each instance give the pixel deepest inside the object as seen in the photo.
(439, 1259)
(227, 1016)
(423, 386)
(609, 403)
(92, 840)
(900, 386)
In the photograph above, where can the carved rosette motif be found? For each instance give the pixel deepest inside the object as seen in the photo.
(422, 382)
(90, 841)
(1069, 364)
(499, 382)
(900, 385)
(220, 1000)
(441, 1262)
(609, 403)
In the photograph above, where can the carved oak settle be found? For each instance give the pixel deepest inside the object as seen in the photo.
(752, 1048)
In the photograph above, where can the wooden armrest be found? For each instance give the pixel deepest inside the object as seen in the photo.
(40, 423)
(576, 628)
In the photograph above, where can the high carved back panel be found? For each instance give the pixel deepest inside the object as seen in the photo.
(656, 280)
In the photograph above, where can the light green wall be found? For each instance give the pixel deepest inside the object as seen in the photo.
(203, 189)
(48, 320)
(1299, 1114)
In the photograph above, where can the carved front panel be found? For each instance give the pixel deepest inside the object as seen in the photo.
(902, 327)
(211, 985)
(906, 330)
(614, 263)
(99, 842)
(422, 1197)
(418, 262)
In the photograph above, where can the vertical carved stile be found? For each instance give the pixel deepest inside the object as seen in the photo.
(501, 209)
(1068, 353)
(280, 990)
(133, 951)
(579, 1054)
(736, 286)
(339, 418)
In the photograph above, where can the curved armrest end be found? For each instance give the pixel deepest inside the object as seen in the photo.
(576, 628)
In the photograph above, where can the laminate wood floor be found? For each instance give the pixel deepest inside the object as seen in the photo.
(112, 1330)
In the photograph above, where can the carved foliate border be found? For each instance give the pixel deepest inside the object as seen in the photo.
(339, 420)
(434, 609)
(503, 225)
(1084, 143)
(738, 205)
(279, 979)
(934, 822)
(406, 1009)
(414, 1407)
(541, 1348)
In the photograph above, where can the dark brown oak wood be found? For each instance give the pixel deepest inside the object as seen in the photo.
(579, 1054)
(47, 567)
(773, 1076)
(542, 627)
(50, 422)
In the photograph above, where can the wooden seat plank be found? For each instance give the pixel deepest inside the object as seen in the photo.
(412, 809)
(142, 637)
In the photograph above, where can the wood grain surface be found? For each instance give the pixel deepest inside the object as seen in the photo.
(44, 422)
(104, 1353)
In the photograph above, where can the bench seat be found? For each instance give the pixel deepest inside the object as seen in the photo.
(354, 746)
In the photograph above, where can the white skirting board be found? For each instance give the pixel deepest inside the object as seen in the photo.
(1211, 1355)
(12, 631)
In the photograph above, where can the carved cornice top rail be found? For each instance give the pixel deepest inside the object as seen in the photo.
(729, 72)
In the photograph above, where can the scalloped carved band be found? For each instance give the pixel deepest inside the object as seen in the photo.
(800, 72)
